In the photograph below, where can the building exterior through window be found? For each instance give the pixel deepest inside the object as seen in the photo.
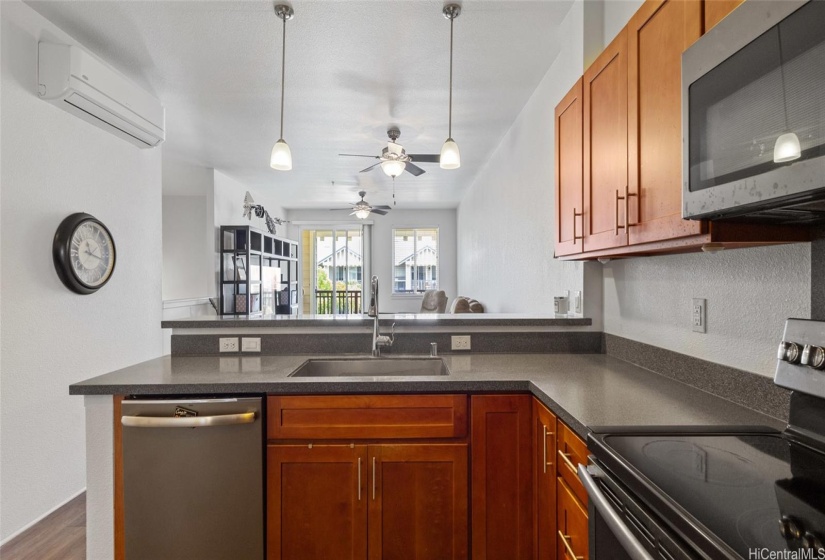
(415, 260)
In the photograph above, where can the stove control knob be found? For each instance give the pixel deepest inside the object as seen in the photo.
(789, 529)
(813, 356)
(812, 542)
(789, 352)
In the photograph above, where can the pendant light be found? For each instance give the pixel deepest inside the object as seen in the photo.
(787, 146)
(450, 156)
(281, 157)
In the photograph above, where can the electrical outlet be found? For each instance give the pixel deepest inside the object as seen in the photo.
(250, 344)
(228, 344)
(461, 342)
(699, 315)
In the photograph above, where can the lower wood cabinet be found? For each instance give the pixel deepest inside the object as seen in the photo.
(544, 476)
(571, 521)
(502, 477)
(387, 501)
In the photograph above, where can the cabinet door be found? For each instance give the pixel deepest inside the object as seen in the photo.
(572, 525)
(418, 502)
(658, 34)
(568, 123)
(502, 477)
(544, 451)
(605, 148)
(316, 502)
(716, 10)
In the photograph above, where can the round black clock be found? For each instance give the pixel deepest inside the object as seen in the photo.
(84, 253)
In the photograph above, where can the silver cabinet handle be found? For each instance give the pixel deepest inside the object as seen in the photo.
(187, 421)
(544, 453)
(576, 214)
(565, 539)
(373, 478)
(622, 532)
(617, 226)
(359, 479)
(565, 457)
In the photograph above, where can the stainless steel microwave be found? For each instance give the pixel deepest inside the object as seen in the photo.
(753, 116)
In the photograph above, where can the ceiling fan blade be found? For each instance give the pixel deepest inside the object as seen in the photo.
(413, 169)
(383, 207)
(360, 155)
(370, 167)
(426, 158)
(379, 212)
(338, 209)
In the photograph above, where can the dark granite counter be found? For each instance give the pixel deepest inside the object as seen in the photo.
(400, 320)
(587, 391)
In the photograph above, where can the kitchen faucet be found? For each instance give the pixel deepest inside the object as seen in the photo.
(378, 340)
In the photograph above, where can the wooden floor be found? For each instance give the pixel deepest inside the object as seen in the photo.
(60, 536)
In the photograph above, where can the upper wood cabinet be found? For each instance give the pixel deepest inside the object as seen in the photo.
(569, 204)
(716, 10)
(605, 148)
(658, 34)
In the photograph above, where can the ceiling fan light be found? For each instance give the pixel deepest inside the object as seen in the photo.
(362, 213)
(393, 168)
(450, 156)
(281, 158)
(787, 148)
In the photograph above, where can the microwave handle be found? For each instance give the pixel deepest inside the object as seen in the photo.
(622, 532)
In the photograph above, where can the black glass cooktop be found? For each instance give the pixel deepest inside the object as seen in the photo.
(738, 486)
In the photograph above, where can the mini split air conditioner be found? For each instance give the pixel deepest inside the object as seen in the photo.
(79, 83)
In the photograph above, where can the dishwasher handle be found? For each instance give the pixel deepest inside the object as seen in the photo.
(188, 421)
(622, 532)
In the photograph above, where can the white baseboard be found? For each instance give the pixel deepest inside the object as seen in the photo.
(41, 518)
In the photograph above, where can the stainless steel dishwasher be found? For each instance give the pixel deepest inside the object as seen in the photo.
(193, 479)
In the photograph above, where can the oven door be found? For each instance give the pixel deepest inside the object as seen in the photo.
(620, 528)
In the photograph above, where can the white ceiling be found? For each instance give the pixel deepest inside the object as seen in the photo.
(353, 68)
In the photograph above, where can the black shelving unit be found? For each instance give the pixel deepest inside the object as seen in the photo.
(259, 273)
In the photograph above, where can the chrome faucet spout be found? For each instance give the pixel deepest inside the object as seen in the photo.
(378, 340)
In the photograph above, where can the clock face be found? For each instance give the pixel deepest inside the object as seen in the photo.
(84, 253)
(92, 259)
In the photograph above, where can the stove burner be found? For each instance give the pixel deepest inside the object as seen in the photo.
(705, 463)
(760, 528)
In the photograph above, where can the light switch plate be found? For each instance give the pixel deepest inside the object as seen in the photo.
(250, 344)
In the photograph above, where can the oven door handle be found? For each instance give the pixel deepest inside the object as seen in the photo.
(622, 532)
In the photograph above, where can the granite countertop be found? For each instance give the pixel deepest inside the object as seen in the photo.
(587, 391)
(400, 319)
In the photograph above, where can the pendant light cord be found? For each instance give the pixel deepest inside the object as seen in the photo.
(283, 76)
(450, 126)
(782, 78)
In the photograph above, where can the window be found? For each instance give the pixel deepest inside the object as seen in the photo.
(415, 260)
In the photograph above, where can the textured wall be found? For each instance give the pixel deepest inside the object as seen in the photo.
(749, 292)
(505, 220)
(186, 269)
(54, 164)
(445, 220)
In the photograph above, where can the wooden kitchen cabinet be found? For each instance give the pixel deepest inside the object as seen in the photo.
(571, 453)
(572, 525)
(316, 502)
(605, 148)
(658, 33)
(716, 10)
(544, 477)
(502, 477)
(418, 502)
(569, 173)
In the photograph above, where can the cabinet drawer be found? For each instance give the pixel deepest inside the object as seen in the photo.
(367, 417)
(571, 452)
(572, 525)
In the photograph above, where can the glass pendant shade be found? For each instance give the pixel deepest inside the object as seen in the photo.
(362, 213)
(786, 148)
(450, 156)
(393, 168)
(281, 158)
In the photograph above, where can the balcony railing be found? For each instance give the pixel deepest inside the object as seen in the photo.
(348, 301)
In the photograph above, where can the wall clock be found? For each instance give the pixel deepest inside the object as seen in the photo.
(84, 253)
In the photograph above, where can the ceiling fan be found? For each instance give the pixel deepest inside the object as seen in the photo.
(394, 160)
(362, 208)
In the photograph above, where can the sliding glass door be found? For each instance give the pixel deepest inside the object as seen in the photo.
(338, 270)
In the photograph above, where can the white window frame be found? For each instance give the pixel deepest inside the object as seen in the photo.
(415, 229)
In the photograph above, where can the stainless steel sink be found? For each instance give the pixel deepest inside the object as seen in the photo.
(372, 367)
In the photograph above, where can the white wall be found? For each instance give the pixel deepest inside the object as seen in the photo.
(187, 272)
(616, 15)
(54, 164)
(505, 220)
(228, 201)
(445, 220)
